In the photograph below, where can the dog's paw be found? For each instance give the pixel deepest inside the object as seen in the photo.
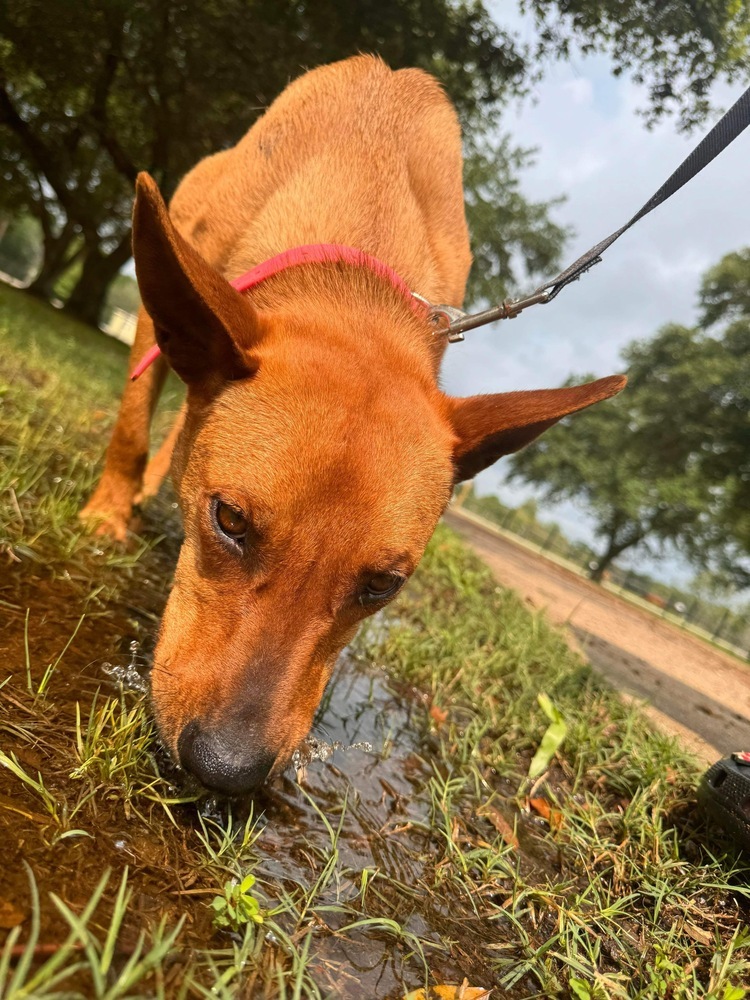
(106, 523)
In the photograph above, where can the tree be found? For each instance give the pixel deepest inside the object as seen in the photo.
(668, 459)
(487, 506)
(156, 84)
(677, 50)
(602, 460)
(725, 315)
(495, 207)
(698, 386)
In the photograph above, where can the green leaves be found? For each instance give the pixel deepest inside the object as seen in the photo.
(580, 988)
(90, 100)
(553, 737)
(237, 907)
(512, 238)
(733, 993)
(676, 50)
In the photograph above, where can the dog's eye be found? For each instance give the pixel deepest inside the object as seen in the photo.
(381, 586)
(231, 520)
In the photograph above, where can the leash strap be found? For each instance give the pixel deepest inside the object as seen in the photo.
(726, 130)
(721, 135)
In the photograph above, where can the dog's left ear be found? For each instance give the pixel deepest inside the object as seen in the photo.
(205, 328)
(488, 427)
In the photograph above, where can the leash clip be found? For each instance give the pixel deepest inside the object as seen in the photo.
(442, 319)
(454, 323)
(508, 309)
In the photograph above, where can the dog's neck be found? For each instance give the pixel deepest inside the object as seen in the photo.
(357, 310)
(352, 310)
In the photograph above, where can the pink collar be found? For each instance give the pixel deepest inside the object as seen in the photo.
(314, 253)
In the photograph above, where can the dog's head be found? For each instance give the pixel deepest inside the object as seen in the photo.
(315, 461)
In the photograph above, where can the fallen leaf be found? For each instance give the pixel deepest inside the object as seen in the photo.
(501, 824)
(698, 934)
(10, 915)
(455, 830)
(446, 992)
(544, 809)
(438, 715)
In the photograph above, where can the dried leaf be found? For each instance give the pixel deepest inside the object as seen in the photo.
(455, 830)
(10, 915)
(501, 824)
(438, 715)
(446, 992)
(698, 934)
(544, 809)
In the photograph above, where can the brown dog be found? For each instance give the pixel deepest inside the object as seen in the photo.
(318, 451)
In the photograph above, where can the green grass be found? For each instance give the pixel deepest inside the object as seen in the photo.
(595, 878)
(631, 912)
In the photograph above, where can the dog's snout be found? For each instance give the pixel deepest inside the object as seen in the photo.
(226, 762)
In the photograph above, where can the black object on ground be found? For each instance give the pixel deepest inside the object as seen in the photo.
(724, 793)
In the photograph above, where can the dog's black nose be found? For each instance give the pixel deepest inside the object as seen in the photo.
(224, 761)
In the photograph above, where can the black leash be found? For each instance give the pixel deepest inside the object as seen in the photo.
(721, 135)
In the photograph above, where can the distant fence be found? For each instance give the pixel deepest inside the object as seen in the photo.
(120, 324)
(717, 624)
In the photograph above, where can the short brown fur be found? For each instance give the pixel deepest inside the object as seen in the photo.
(313, 404)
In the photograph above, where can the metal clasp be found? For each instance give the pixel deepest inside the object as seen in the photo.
(454, 323)
(508, 309)
(442, 319)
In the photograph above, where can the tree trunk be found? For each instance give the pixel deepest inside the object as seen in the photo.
(597, 573)
(89, 294)
(614, 549)
(56, 260)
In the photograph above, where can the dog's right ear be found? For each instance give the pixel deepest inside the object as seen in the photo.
(206, 329)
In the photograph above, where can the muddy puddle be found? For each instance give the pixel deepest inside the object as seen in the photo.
(363, 798)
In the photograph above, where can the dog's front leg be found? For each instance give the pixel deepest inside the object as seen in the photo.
(110, 508)
(159, 464)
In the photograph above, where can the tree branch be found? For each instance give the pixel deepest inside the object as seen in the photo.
(98, 109)
(42, 156)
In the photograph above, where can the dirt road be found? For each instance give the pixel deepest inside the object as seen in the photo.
(696, 690)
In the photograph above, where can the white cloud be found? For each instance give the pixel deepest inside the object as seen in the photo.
(581, 168)
(580, 90)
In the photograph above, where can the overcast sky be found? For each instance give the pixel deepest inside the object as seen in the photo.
(594, 148)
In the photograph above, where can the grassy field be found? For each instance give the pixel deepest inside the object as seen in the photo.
(513, 822)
